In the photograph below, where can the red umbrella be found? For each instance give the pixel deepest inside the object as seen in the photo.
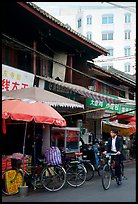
(37, 111)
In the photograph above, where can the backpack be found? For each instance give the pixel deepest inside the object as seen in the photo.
(53, 156)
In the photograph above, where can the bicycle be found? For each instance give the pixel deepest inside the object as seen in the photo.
(108, 173)
(100, 165)
(87, 164)
(75, 171)
(89, 156)
(50, 177)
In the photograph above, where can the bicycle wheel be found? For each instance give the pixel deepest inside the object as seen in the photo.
(90, 170)
(11, 180)
(100, 170)
(106, 177)
(36, 178)
(53, 178)
(76, 174)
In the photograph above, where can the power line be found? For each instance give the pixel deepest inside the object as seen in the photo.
(98, 109)
(53, 60)
(115, 58)
(123, 7)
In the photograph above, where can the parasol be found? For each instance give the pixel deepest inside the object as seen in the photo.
(37, 111)
(124, 130)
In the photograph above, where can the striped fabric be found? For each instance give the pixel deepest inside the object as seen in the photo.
(84, 91)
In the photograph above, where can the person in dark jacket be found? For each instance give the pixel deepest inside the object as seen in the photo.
(115, 145)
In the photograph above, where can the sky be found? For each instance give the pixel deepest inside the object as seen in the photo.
(53, 4)
(53, 7)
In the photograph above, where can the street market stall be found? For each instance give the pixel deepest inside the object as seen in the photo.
(123, 129)
(66, 138)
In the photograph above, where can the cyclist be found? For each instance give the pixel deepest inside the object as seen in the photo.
(115, 145)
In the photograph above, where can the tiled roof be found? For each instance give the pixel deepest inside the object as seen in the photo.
(117, 73)
(122, 74)
(65, 26)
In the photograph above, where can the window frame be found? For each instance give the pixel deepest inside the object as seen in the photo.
(112, 52)
(107, 65)
(79, 22)
(89, 19)
(127, 17)
(107, 33)
(127, 51)
(89, 33)
(127, 67)
(127, 34)
(107, 18)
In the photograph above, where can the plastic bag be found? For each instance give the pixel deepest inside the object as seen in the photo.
(53, 156)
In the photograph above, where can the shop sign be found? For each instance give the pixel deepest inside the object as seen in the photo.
(63, 91)
(13, 78)
(119, 108)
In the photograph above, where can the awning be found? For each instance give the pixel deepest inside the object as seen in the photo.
(124, 130)
(129, 118)
(127, 101)
(39, 94)
(83, 91)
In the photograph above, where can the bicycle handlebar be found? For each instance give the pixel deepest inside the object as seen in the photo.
(111, 154)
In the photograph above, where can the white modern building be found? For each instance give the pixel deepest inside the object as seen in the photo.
(110, 24)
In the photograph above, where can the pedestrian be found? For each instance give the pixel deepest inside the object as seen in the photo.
(115, 145)
(96, 151)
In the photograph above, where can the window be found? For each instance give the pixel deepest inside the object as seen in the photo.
(79, 22)
(127, 67)
(111, 51)
(127, 51)
(89, 35)
(89, 20)
(127, 34)
(107, 35)
(107, 19)
(107, 66)
(127, 18)
(122, 93)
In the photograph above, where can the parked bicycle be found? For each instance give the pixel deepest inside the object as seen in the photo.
(51, 177)
(108, 173)
(90, 155)
(87, 164)
(44, 175)
(75, 170)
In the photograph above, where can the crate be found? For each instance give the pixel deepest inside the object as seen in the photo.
(6, 162)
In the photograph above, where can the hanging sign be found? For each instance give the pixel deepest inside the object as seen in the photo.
(13, 78)
(118, 108)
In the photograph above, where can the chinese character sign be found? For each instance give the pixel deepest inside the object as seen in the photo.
(13, 78)
(119, 108)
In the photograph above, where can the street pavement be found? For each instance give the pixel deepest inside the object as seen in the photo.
(91, 191)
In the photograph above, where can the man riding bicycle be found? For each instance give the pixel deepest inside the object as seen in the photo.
(115, 145)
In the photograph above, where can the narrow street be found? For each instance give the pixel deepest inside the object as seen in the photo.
(91, 191)
(68, 93)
